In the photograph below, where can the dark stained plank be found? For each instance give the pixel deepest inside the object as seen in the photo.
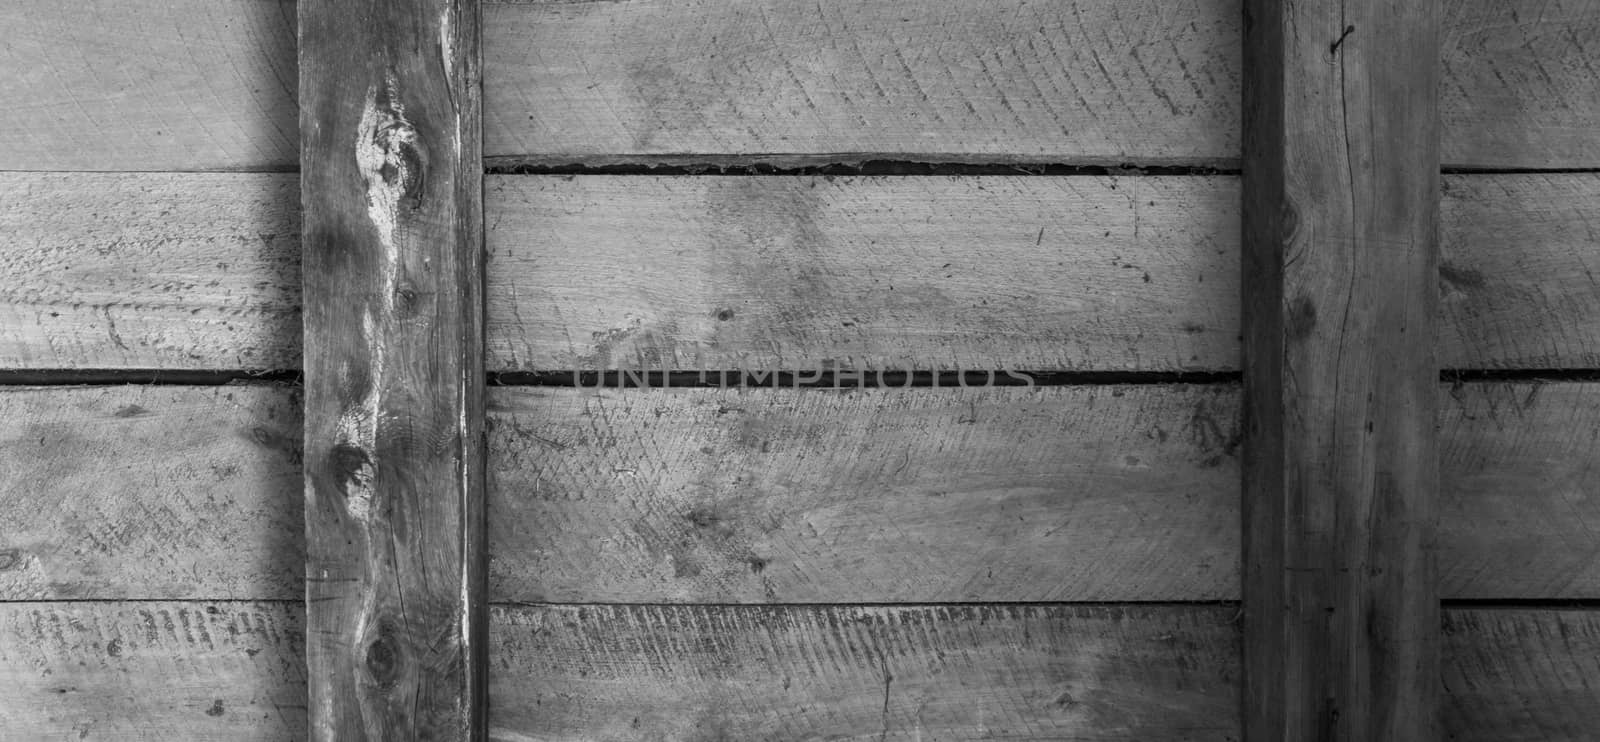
(175, 671)
(209, 84)
(202, 271)
(204, 498)
(392, 186)
(1340, 293)
(1521, 675)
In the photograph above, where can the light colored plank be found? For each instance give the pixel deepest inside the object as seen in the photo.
(204, 501)
(152, 671)
(135, 492)
(174, 85)
(804, 273)
(197, 271)
(209, 84)
(1340, 283)
(202, 271)
(391, 176)
(196, 671)
(850, 673)
(944, 495)
(1082, 80)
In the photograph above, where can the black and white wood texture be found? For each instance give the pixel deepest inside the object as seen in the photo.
(391, 187)
(1340, 292)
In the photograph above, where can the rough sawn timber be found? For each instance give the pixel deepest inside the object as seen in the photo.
(392, 186)
(1340, 292)
(199, 672)
(210, 84)
(202, 498)
(201, 271)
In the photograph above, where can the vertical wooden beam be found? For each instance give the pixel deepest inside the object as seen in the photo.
(391, 173)
(1341, 177)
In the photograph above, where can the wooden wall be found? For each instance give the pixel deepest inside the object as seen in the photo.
(1044, 562)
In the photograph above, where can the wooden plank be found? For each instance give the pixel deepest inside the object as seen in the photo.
(904, 673)
(203, 501)
(152, 671)
(804, 273)
(1515, 675)
(175, 85)
(148, 270)
(202, 271)
(205, 671)
(1340, 292)
(157, 491)
(209, 84)
(392, 187)
(918, 495)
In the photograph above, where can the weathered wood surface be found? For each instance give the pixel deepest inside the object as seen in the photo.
(206, 671)
(202, 271)
(922, 495)
(622, 505)
(152, 671)
(851, 673)
(1340, 459)
(392, 190)
(150, 270)
(209, 84)
(805, 273)
(151, 492)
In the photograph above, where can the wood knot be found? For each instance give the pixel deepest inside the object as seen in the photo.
(385, 655)
(1302, 318)
(10, 559)
(351, 467)
(406, 299)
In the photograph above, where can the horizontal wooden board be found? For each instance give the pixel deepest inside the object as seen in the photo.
(152, 671)
(198, 271)
(1102, 493)
(924, 495)
(210, 84)
(805, 273)
(206, 671)
(155, 491)
(1096, 273)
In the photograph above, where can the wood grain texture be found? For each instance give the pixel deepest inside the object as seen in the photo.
(175, 85)
(1521, 675)
(176, 671)
(392, 190)
(852, 673)
(152, 671)
(209, 84)
(204, 502)
(140, 492)
(150, 270)
(919, 495)
(1340, 292)
(202, 271)
(805, 273)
